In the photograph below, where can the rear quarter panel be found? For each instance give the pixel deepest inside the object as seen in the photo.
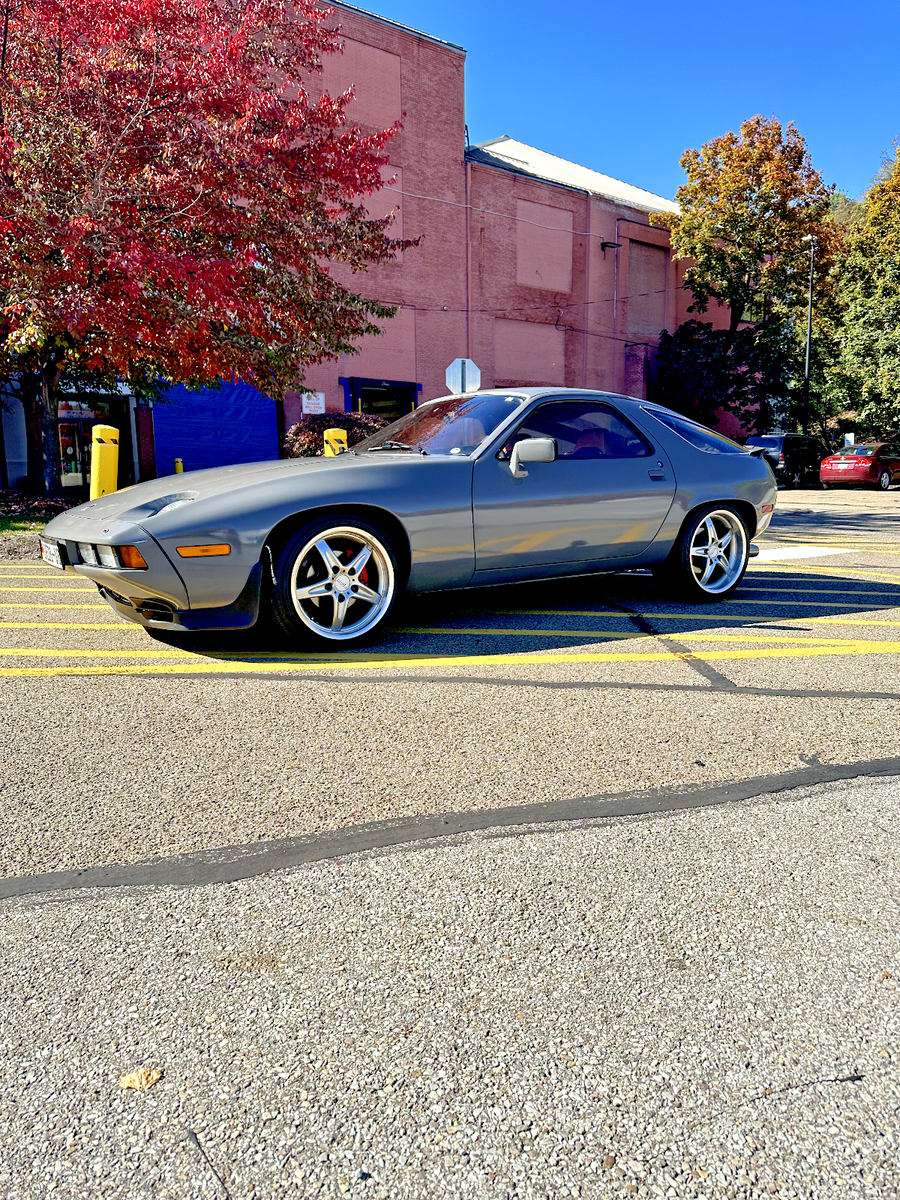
(705, 478)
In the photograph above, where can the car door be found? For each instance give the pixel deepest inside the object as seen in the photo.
(891, 456)
(605, 496)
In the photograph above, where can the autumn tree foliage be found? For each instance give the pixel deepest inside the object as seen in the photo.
(172, 192)
(751, 203)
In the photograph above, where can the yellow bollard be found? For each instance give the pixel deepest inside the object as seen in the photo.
(104, 460)
(335, 442)
(179, 467)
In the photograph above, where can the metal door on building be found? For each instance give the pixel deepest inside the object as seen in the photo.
(390, 398)
(76, 417)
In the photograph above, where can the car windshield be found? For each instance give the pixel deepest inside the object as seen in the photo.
(456, 425)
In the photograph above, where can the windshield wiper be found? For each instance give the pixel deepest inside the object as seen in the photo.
(394, 445)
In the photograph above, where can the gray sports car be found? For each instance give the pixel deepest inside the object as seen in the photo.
(495, 487)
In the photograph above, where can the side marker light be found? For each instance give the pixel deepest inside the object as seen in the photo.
(203, 551)
(132, 557)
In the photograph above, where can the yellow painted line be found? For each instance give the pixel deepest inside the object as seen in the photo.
(603, 634)
(848, 573)
(488, 632)
(51, 604)
(849, 621)
(561, 659)
(833, 592)
(720, 618)
(119, 628)
(804, 603)
(849, 547)
(63, 652)
(43, 589)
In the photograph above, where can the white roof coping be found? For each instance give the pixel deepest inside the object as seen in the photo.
(395, 24)
(532, 161)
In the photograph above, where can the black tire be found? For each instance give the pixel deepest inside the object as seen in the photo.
(884, 481)
(681, 573)
(327, 557)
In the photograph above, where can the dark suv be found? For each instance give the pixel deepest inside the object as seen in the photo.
(794, 457)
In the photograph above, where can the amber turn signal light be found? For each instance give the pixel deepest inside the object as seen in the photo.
(132, 557)
(203, 551)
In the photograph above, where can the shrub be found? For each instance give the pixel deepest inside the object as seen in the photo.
(15, 503)
(306, 438)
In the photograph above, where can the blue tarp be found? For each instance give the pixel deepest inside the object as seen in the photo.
(209, 428)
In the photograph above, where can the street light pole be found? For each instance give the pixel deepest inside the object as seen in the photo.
(812, 256)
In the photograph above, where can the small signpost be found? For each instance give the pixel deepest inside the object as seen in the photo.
(312, 402)
(463, 376)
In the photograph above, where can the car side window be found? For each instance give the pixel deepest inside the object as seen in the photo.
(582, 429)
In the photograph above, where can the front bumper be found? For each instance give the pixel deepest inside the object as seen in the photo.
(157, 614)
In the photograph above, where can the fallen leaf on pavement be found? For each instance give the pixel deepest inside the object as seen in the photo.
(141, 1079)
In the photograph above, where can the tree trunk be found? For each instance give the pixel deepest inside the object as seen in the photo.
(37, 390)
(29, 393)
(52, 463)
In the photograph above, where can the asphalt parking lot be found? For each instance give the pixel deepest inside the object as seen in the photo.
(682, 982)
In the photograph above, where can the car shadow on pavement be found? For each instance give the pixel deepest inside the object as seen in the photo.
(582, 612)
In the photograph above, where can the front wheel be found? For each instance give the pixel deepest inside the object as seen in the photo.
(884, 481)
(335, 583)
(709, 559)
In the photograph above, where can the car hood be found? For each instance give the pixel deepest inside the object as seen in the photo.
(143, 500)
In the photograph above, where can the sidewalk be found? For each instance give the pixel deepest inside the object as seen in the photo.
(700, 1004)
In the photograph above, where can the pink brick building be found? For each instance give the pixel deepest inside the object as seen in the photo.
(541, 271)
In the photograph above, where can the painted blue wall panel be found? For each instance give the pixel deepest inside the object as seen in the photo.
(208, 428)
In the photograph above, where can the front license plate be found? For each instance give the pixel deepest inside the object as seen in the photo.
(50, 554)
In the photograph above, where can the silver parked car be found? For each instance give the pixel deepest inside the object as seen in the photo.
(495, 487)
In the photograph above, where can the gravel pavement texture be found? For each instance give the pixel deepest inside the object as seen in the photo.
(701, 1004)
(121, 767)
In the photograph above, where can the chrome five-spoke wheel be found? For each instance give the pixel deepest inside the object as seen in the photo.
(335, 581)
(710, 558)
(718, 551)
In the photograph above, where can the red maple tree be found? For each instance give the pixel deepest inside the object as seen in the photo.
(171, 195)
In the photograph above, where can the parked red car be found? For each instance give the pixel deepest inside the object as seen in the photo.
(876, 464)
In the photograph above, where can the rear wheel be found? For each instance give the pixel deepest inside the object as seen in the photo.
(884, 481)
(709, 559)
(335, 583)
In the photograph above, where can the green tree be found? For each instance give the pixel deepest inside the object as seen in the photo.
(749, 205)
(701, 370)
(870, 280)
(748, 212)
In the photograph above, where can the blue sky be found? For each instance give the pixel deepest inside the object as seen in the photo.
(625, 88)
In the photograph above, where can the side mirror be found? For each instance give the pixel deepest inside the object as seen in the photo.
(531, 450)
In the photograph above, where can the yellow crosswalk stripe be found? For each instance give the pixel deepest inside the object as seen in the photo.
(353, 663)
(849, 573)
(49, 604)
(603, 634)
(63, 652)
(116, 626)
